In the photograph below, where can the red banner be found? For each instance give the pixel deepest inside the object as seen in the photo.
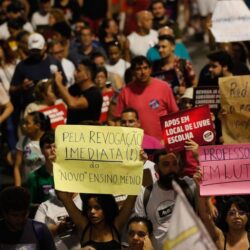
(57, 114)
(195, 124)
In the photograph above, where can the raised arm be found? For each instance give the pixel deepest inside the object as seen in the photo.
(76, 215)
(71, 101)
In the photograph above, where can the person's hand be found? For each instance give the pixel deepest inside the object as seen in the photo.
(147, 243)
(193, 146)
(26, 84)
(197, 177)
(222, 114)
(143, 156)
(63, 196)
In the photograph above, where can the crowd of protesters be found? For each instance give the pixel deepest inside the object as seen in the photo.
(109, 63)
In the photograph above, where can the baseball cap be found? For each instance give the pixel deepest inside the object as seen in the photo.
(36, 41)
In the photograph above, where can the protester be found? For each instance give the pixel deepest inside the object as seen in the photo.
(232, 231)
(140, 230)
(115, 63)
(100, 221)
(87, 105)
(156, 202)
(40, 181)
(150, 97)
(16, 230)
(144, 37)
(28, 155)
(54, 215)
(44, 93)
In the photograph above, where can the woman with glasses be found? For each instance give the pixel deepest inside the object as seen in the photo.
(231, 232)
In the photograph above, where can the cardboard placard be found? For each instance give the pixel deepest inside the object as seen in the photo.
(98, 159)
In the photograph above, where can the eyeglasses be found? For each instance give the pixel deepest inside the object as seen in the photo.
(141, 234)
(232, 213)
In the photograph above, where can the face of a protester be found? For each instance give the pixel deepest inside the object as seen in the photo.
(58, 51)
(165, 48)
(99, 61)
(16, 220)
(86, 37)
(95, 212)
(100, 79)
(48, 150)
(82, 74)
(50, 97)
(146, 21)
(129, 119)
(168, 164)
(236, 218)
(158, 10)
(142, 73)
(215, 69)
(29, 126)
(114, 53)
(137, 232)
(112, 28)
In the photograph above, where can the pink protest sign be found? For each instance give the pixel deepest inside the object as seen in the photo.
(57, 114)
(225, 169)
(195, 124)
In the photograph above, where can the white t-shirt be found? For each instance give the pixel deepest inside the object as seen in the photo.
(69, 70)
(159, 210)
(4, 31)
(139, 45)
(49, 212)
(38, 19)
(118, 68)
(32, 155)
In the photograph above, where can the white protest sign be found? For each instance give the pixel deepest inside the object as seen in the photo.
(231, 21)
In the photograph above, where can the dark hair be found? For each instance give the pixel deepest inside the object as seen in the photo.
(102, 30)
(91, 67)
(47, 138)
(14, 198)
(97, 54)
(139, 60)
(113, 43)
(43, 120)
(101, 69)
(16, 23)
(144, 220)
(155, 2)
(169, 38)
(107, 203)
(132, 110)
(240, 203)
(15, 6)
(222, 57)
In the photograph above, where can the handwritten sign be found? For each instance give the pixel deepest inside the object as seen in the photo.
(57, 114)
(231, 21)
(98, 159)
(192, 124)
(225, 169)
(207, 95)
(235, 100)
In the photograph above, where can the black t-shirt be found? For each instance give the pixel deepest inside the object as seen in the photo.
(100, 11)
(94, 98)
(35, 71)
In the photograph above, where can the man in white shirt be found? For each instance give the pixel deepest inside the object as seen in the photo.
(14, 10)
(141, 40)
(157, 201)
